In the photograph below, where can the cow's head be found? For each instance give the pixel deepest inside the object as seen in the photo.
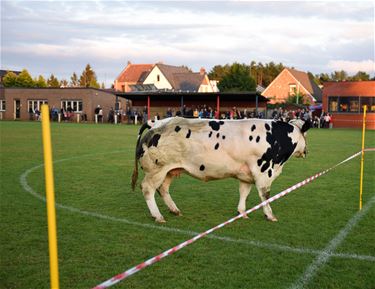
(302, 127)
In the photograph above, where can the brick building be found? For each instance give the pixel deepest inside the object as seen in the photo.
(345, 101)
(291, 82)
(16, 103)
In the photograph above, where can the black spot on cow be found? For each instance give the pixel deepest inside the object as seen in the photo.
(269, 173)
(281, 146)
(250, 138)
(223, 137)
(264, 167)
(188, 134)
(253, 127)
(258, 138)
(139, 152)
(216, 146)
(201, 168)
(267, 126)
(154, 140)
(215, 125)
(210, 134)
(218, 135)
(177, 128)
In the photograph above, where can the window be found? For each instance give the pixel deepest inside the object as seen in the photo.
(354, 104)
(350, 104)
(292, 89)
(158, 78)
(2, 105)
(369, 102)
(332, 104)
(74, 105)
(35, 104)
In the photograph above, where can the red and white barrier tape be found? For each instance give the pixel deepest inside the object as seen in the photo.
(114, 280)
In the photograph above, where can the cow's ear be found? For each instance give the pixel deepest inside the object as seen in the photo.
(305, 127)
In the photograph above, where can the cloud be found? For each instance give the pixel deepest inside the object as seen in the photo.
(352, 66)
(63, 36)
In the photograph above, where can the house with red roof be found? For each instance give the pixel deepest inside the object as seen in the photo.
(159, 76)
(293, 83)
(133, 74)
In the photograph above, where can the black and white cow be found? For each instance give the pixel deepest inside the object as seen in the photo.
(252, 151)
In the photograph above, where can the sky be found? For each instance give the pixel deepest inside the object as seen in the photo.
(61, 37)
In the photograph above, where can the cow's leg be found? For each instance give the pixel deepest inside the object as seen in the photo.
(264, 194)
(149, 188)
(164, 192)
(244, 192)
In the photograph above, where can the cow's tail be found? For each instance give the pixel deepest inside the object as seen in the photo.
(137, 155)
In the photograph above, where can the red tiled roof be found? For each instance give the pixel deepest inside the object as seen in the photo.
(349, 88)
(135, 73)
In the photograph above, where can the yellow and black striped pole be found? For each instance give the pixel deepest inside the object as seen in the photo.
(362, 156)
(50, 194)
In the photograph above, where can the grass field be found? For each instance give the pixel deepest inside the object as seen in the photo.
(104, 228)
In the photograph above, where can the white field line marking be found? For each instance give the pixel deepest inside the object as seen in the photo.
(259, 244)
(328, 251)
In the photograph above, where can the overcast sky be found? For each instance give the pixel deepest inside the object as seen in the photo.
(61, 37)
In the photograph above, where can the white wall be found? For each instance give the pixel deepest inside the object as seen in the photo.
(152, 79)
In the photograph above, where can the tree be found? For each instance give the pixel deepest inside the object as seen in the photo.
(102, 86)
(24, 79)
(52, 81)
(339, 75)
(88, 78)
(237, 79)
(64, 83)
(74, 80)
(40, 82)
(360, 75)
(218, 72)
(323, 77)
(10, 79)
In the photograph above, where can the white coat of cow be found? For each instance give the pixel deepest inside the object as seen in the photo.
(252, 151)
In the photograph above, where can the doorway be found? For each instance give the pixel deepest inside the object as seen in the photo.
(17, 109)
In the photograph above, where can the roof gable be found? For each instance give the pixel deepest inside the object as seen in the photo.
(169, 70)
(309, 84)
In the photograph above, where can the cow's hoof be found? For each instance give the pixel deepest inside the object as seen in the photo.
(177, 213)
(160, 220)
(272, 218)
(243, 215)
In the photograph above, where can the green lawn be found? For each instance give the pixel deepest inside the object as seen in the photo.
(104, 228)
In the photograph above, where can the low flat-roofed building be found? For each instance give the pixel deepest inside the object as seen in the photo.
(345, 100)
(20, 103)
(159, 101)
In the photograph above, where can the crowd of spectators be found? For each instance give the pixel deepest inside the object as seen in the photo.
(322, 120)
(131, 116)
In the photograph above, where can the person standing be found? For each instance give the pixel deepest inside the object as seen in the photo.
(96, 112)
(145, 114)
(100, 115)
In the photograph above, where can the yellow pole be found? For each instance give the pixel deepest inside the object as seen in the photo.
(362, 156)
(50, 192)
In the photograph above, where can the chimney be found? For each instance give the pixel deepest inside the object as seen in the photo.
(129, 62)
(202, 71)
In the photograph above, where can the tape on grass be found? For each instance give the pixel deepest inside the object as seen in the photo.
(114, 280)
